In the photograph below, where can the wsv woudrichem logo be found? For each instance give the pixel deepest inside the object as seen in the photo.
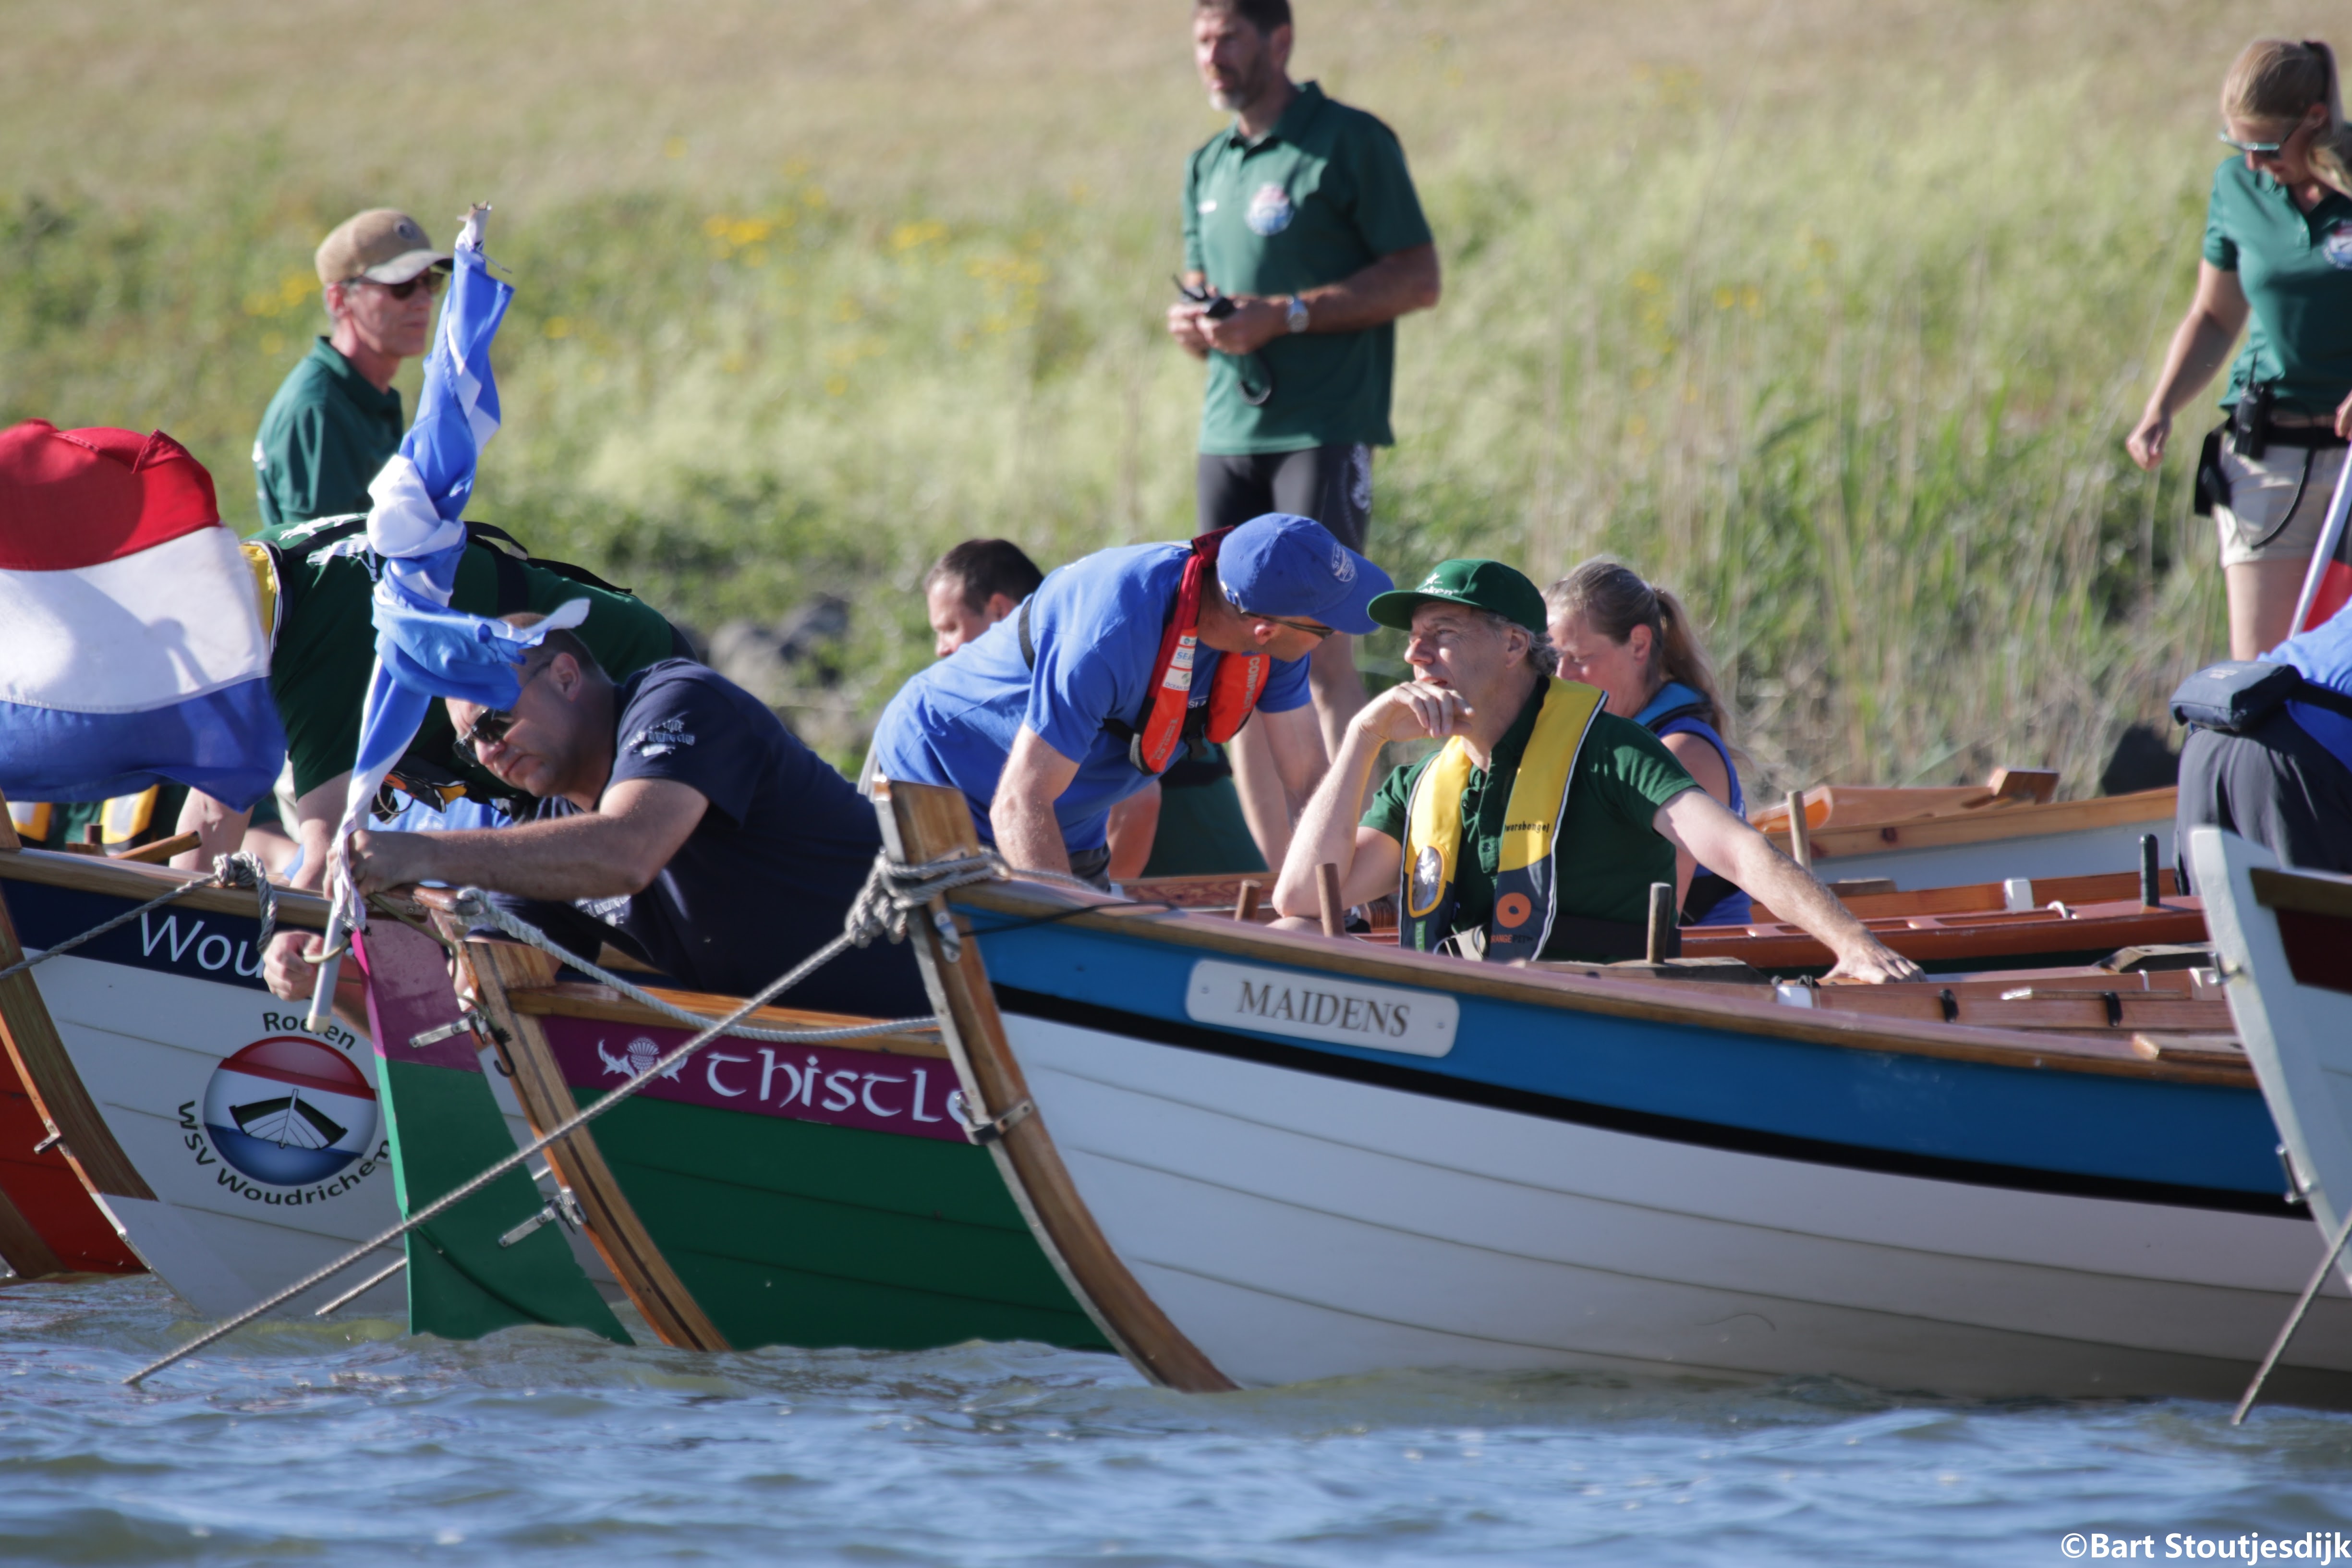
(289, 1111)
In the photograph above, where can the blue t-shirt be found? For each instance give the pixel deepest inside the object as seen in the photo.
(1096, 624)
(2323, 654)
(1734, 909)
(767, 875)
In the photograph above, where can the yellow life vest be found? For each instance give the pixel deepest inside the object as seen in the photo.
(31, 818)
(127, 817)
(1526, 882)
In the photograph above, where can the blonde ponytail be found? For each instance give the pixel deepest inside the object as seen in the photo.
(2278, 79)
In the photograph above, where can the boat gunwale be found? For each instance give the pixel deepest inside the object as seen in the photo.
(1676, 1002)
(571, 999)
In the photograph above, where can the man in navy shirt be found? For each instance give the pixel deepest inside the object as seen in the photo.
(1114, 667)
(676, 813)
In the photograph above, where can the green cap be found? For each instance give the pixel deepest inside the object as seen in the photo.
(1481, 584)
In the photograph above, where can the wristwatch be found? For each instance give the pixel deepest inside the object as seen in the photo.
(1294, 318)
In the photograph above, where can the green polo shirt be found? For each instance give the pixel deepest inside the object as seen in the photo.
(325, 648)
(1321, 196)
(1608, 853)
(2296, 270)
(323, 439)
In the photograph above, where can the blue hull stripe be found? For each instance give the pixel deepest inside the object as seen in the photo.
(1641, 1123)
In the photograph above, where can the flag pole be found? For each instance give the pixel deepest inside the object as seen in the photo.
(322, 999)
(2330, 533)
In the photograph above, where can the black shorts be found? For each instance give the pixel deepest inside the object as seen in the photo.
(1333, 485)
(2276, 785)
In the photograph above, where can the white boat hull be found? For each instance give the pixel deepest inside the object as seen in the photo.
(147, 1044)
(2082, 852)
(1296, 1227)
(2298, 1036)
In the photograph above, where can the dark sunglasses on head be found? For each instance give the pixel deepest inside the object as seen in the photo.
(429, 280)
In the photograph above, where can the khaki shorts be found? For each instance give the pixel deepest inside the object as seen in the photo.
(2253, 523)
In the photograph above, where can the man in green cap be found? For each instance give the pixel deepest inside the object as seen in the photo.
(1538, 829)
(336, 419)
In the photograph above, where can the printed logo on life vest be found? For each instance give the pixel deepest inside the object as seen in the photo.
(1321, 1007)
(1270, 210)
(2338, 246)
(290, 1113)
(1513, 910)
(661, 740)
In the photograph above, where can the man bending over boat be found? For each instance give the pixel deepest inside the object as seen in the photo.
(677, 816)
(1108, 672)
(1535, 831)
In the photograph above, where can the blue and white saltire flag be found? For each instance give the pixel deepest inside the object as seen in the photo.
(424, 648)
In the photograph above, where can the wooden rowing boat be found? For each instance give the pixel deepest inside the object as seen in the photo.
(2037, 923)
(1265, 1157)
(232, 1148)
(1925, 838)
(499, 1258)
(809, 1195)
(2287, 936)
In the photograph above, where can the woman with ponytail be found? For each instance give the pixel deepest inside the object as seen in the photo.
(2278, 252)
(1635, 642)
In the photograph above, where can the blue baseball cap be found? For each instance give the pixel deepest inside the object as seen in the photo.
(1280, 564)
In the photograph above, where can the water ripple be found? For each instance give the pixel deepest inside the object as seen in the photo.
(300, 1442)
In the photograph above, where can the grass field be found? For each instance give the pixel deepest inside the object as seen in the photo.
(1830, 315)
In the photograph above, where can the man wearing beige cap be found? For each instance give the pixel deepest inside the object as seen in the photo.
(337, 419)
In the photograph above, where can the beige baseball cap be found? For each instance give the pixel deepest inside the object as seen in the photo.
(381, 244)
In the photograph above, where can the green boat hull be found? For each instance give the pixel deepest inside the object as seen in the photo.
(806, 1195)
(803, 1234)
(464, 1279)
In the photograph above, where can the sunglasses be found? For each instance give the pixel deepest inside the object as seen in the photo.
(1310, 628)
(2258, 149)
(491, 728)
(429, 280)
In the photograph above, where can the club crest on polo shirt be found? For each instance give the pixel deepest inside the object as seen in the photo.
(661, 740)
(1270, 210)
(2338, 246)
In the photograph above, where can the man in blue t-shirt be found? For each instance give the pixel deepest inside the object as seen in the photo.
(676, 815)
(2286, 781)
(1089, 692)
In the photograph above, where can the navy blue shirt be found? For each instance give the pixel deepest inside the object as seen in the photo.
(767, 875)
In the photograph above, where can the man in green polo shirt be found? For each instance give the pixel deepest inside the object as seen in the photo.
(336, 418)
(1302, 215)
(1538, 829)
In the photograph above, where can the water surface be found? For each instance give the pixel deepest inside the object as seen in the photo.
(355, 1444)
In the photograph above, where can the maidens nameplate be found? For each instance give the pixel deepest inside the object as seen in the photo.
(1321, 1007)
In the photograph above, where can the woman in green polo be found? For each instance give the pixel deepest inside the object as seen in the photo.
(2278, 249)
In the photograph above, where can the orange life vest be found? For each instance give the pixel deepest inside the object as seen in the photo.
(1239, 682)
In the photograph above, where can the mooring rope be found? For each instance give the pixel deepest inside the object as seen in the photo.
(238, 871)
(891, 893)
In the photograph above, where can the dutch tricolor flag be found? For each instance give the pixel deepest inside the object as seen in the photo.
(135, 645)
